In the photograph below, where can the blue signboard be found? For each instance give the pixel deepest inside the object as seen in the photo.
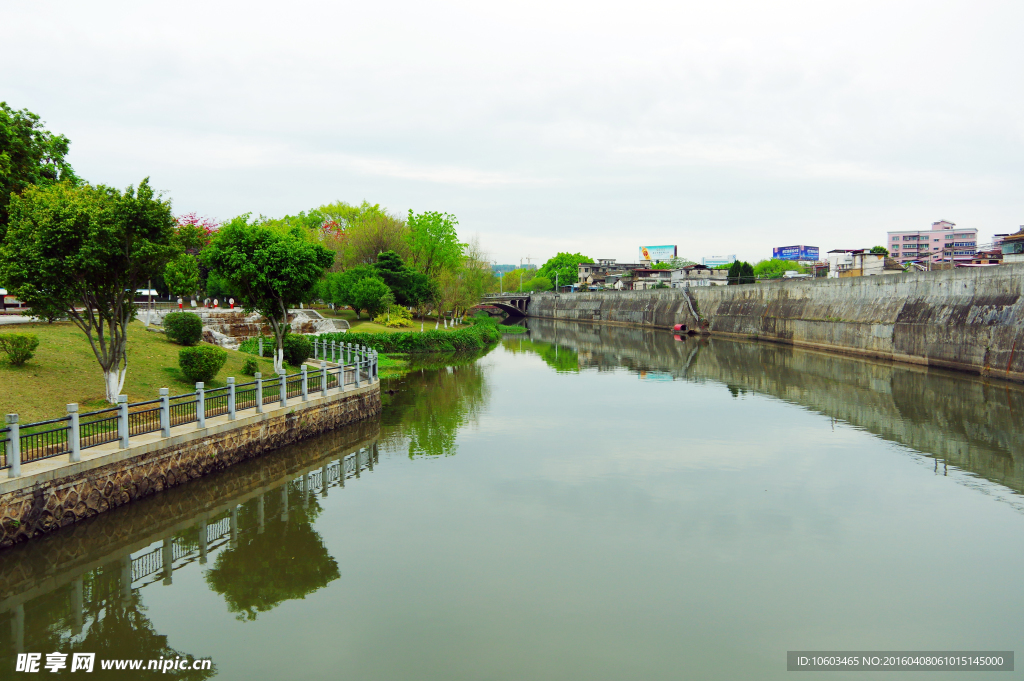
(795, 253)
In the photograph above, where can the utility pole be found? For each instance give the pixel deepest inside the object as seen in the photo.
(527, 259)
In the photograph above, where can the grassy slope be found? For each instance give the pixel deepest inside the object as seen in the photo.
(65, 370)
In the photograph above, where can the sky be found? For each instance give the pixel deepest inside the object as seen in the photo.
(723, 127)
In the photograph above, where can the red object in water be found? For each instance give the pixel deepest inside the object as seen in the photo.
(677, 337)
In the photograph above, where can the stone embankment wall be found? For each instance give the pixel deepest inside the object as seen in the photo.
(968, 319)
(51, 494)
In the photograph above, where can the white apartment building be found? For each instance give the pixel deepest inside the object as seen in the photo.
(943, 242)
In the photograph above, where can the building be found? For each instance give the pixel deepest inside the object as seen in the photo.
(1012, 247)
(944, 242)
(859, 262)
(594, 272)
(716, 260)
(798, 253)
(644, 279)
(698, 275)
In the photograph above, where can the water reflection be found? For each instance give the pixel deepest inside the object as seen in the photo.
(959, 419)
(424, 410)
(81, 589)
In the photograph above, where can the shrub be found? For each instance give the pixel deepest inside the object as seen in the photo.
(250, 366)
(297, 349)
(18, 346)
(201, 363)
(393, 317)
(475, 337)
(184, 328)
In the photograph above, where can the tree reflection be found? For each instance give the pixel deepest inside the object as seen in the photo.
(559, 358)
(429, 407)
(279, 555)
(97, 614)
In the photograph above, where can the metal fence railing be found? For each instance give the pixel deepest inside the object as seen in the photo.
(24, 443)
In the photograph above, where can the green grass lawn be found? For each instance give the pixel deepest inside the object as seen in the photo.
(65, 370)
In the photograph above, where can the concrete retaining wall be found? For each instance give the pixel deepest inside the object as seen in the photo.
(52, 493)
(967, 319)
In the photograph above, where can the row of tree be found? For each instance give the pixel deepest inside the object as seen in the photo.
(76, 250)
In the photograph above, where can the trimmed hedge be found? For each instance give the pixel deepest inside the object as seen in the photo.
(202, 363)
(19, 347)
(476, 337)
(184, 328)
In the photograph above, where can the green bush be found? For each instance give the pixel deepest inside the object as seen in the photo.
(250, 366)
(201, 363)
(297, 349)
(18, 346)
(184, 328)
(476, 337)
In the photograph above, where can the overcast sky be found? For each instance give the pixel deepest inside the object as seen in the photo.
(723, 127)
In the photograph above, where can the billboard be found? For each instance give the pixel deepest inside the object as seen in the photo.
(657, 252)
(716, 260)
(795, 253)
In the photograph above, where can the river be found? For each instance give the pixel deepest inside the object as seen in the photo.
(583, 502)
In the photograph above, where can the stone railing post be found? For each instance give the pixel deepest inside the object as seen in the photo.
(259, 392)
(376, 361)
(122, 419)
(261, 346)
(323, 378)
(200, 405)
(284, 388)
(74, 434)
(231, 398)
(358, 363)
(305, 384)
(315, 347)
(349, 353)
(13, 446)
(334, 346)
(165, 412)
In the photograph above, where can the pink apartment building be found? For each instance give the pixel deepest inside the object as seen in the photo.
(943, 242)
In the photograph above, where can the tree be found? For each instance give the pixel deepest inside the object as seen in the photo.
(340, 285)
(880, 249)
(565, 265)
(662, 266)
(434, 242)
(29, 155)
(182, 275)
(271, 271)
(775, 268)
(538, 284)
(741, 273)
(84, 250)
(358, 234)
(410, 287)
(371, 294)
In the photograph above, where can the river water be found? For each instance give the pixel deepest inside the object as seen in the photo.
(583, 502)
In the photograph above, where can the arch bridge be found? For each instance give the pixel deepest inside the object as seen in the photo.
(514, 304)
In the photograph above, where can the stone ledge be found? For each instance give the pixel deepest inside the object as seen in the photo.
(53, 493)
